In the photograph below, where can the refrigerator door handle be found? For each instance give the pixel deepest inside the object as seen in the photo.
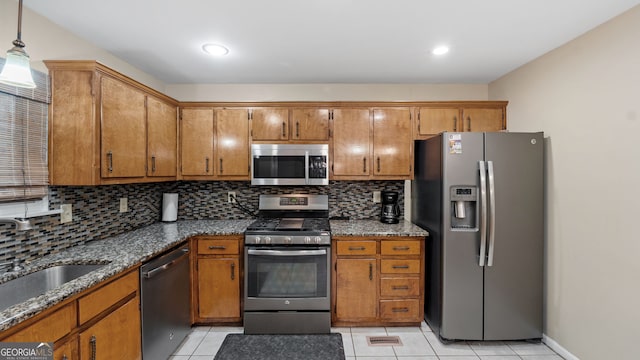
(492, 212)
(483, 213)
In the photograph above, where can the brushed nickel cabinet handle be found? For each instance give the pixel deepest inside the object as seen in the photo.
(400, 287)
(378, 163)
(92, 343)
(206, 168)
(110, 160)
(400, 248)
(455, 123)
(400, 310)
(356, 248)
(284, 129)
(297, 129)
(469, 123)
(217, 247)
(221, 167)
(370, 271)
(400, 266)
(153, 163)
(364, 165)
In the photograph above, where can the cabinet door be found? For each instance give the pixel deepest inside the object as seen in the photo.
(351, 142)
(196, 134)
(218, 288)
(116, 336)
(477, 119)
(232, 142)
(310, 124)
(356, 289)
(123, 130)
(270, 124)
(433, 121)
(392, 142)
(162, 145)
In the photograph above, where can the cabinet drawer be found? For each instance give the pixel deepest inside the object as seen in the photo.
(103, 298)
(217, 247)
(399, 287)
(400, 266)
(405, 247)
(400, 310)
(49, 329)
(356, 248)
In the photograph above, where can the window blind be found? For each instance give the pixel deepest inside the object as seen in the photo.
(23, 140)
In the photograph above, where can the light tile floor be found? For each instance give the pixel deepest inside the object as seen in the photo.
(418, 343)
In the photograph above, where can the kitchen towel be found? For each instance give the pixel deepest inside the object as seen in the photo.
(169, 207)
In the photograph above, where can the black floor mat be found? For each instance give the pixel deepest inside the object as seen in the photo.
(281, 347)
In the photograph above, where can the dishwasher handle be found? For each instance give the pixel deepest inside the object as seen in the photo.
(155, 271)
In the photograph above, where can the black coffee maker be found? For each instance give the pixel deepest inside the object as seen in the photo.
(390, 213)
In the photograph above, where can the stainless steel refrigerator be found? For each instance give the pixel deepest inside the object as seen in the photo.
(480, 196)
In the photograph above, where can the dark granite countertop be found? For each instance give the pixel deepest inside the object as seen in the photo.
(375, 228)
(130, 249)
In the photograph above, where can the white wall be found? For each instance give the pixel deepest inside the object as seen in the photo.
(585, 96)
(327, 92)
(47, 41)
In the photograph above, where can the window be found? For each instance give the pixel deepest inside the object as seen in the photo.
(23, 148)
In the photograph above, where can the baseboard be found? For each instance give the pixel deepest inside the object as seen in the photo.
(558, 348)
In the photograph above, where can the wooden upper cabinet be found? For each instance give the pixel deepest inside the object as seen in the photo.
(351, 155)
(162, 138)
(433, 121)
(392, 143)
(196, 141)
(270, 124)
(232, 142)
(123, 130)
(98, 126)
(311, 124)
(483, 119)
(460, 116)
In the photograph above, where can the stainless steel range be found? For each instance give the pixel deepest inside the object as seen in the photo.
(287, 259)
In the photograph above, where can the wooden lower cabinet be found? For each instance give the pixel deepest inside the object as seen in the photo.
(217, 281)
(116, 336)
(378, 281)
(357, 284)
(108, 313)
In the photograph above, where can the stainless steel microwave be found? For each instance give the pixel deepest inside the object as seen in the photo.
(289, 164)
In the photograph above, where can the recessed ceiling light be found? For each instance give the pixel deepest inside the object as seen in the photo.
(215, 49)
(440, 50)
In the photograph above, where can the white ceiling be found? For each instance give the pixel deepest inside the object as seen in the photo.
(329, 41)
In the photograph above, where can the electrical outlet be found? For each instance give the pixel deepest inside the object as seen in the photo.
(124, 207)
(231, 197)
(376, 197)
(66, 215)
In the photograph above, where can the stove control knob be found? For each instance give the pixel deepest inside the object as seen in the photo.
(318, 239)
(307, 240)
(287, 239)
(267, 240)
(257, 240)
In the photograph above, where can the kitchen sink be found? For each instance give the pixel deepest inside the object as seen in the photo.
(39, 282)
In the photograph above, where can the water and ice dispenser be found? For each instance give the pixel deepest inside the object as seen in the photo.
(464, 200)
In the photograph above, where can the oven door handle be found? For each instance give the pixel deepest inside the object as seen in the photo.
(287, 252)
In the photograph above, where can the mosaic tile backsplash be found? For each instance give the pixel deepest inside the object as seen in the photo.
(96, 209)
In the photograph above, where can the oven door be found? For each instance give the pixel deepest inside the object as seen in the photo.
(287, 278)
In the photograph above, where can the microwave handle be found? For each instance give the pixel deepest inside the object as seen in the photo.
(306, 167)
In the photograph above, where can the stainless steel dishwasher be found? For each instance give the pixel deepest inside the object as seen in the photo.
(165, 310)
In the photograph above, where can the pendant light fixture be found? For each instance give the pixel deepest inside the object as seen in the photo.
(16, 71)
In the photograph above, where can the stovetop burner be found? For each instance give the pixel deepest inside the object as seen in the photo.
(304, 221)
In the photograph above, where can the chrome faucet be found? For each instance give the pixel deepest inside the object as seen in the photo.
(21, 224)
